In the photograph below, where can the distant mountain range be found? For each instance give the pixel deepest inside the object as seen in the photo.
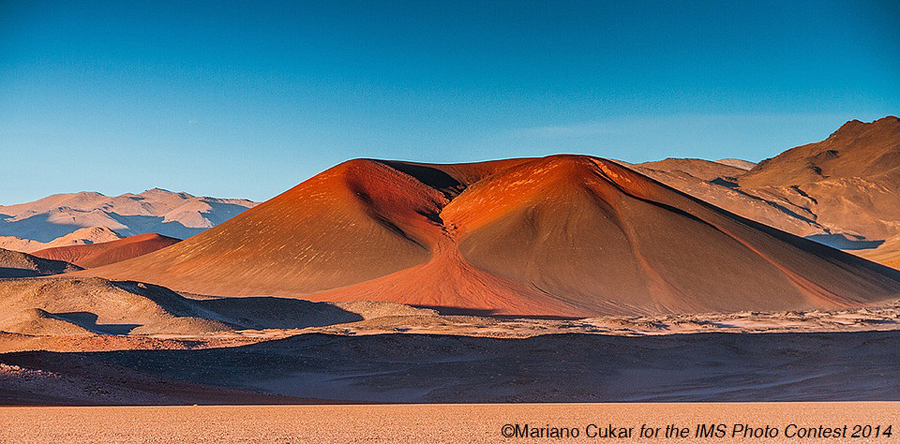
(843, 191)
(90, 217)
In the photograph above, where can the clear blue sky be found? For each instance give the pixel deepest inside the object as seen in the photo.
(248, 99)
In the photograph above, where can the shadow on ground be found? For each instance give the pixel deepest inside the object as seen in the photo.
(550, 368)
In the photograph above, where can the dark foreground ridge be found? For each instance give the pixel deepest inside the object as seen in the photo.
(451, 369)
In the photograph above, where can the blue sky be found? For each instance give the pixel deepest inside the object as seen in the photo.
(248, 99)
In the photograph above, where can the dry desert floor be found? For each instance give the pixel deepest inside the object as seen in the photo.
(453, 422)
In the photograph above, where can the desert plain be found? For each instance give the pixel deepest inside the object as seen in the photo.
(451, 423)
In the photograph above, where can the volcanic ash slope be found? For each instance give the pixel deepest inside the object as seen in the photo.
(555, 236)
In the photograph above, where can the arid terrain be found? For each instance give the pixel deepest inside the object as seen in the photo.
(566, 278)
(557, 236)
(441, 423)
(842, 192)
(130, 343)
(461, 222)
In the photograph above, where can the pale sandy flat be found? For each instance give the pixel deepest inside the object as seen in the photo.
(431, 422)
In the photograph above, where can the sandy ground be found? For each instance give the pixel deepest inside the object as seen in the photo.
(438, 423)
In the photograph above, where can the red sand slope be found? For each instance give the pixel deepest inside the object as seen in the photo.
(104, 253)
(600, 237)
(355, 222)
(562, 235)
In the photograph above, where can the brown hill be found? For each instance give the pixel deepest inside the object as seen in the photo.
(599, 236)
(856, 149)
(737, 163)
(843, 191)
(848, 183)
(85, 236)
(104, 253)
(563, 235)
(717, 184)
(16, 264)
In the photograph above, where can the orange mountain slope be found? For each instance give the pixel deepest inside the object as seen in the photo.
(555, 236)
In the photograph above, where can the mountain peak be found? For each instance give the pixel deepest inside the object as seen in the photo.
(856, 127)
(162, 193)
(155, 190)
(856, 149)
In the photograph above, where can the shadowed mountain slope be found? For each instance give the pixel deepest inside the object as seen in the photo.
(16, 264)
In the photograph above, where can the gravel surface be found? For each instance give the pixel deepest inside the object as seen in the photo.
(434, 423)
